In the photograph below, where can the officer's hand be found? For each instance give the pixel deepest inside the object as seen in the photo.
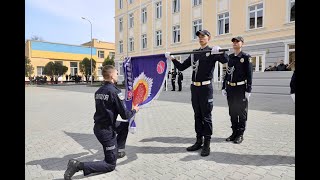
(293, 96)
(215, 50)
(224, 92)
(167, 54)
(136, 107)
(248, 95)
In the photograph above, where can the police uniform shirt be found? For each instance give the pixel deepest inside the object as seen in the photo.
(173, 75)
(203, 65)
(239, 69)
(109, 104)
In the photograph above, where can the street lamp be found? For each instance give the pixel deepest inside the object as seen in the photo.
(90, 47)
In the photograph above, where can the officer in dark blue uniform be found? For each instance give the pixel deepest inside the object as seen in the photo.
(237, 87)
(180, 79)
(293, 86)
(109, 103)
(173, 79)
(201, 88)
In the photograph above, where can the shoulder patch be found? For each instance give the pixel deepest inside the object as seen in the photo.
(102, 96)
(121, 97)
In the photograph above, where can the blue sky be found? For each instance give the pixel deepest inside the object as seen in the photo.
(60, 20)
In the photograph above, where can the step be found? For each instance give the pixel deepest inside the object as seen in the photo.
(272, 75)
(271, 89)
(271, 82)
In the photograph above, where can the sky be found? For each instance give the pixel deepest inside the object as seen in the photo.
(60, 21)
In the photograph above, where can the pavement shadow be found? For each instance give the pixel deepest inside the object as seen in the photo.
(90, 143)
(244, 159)
(55, 163)
(180, 140)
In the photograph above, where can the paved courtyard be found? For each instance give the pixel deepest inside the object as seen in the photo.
(59, 122)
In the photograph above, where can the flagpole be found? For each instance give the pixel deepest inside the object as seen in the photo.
(197, 52)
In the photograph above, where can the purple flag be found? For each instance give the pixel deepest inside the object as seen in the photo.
(144, 78)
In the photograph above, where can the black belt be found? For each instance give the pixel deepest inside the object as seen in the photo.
(103, 125)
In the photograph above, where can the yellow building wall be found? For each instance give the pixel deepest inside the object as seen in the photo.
(60, 56)
(41, 58)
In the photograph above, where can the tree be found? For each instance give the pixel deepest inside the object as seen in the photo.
(28, 67)
(54, 69)
(36, 38)
(108, 61)
(85, 67)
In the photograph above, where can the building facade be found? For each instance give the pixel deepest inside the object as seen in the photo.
(40, 53)
(145, 27)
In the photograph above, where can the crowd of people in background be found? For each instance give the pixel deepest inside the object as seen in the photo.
(280, 67)
(54, 79)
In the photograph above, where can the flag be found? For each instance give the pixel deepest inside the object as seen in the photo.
(144, 77)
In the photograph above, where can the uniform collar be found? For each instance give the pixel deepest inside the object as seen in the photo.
(207, 47)
(240, 54)
(107, 82)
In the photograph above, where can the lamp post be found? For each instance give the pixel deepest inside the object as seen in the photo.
(91, 49)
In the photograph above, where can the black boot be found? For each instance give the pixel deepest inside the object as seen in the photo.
(121, 154)
(206, 148)
(239, 137)
(73, 167)
(196, 146)
(233, 135)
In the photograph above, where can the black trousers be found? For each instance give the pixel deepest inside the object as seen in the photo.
(173, 82)
(180, 85)
(108, 138)
(122, 129)
(202, 103)
(238, 107)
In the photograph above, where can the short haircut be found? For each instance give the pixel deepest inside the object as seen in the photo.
(107, 70)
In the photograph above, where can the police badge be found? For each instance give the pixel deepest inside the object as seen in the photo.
(241, 60)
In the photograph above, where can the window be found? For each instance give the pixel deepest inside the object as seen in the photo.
(175, 6)
(176, 34)
(100, 69)
(120, 68)
(158, 38)
(196, 2)
(120, 4)
(131, 44)
(120, 24)
(255, 16)
(223, 23)
(73, 68)
(121, 46)
(197, 25)
(40, 70)
(158, 10)
(100, 54)
(144, 41)
(111, 55)
(292, 53)
(292, 10)
(130, 1)
(131, 18)
(144, 15)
